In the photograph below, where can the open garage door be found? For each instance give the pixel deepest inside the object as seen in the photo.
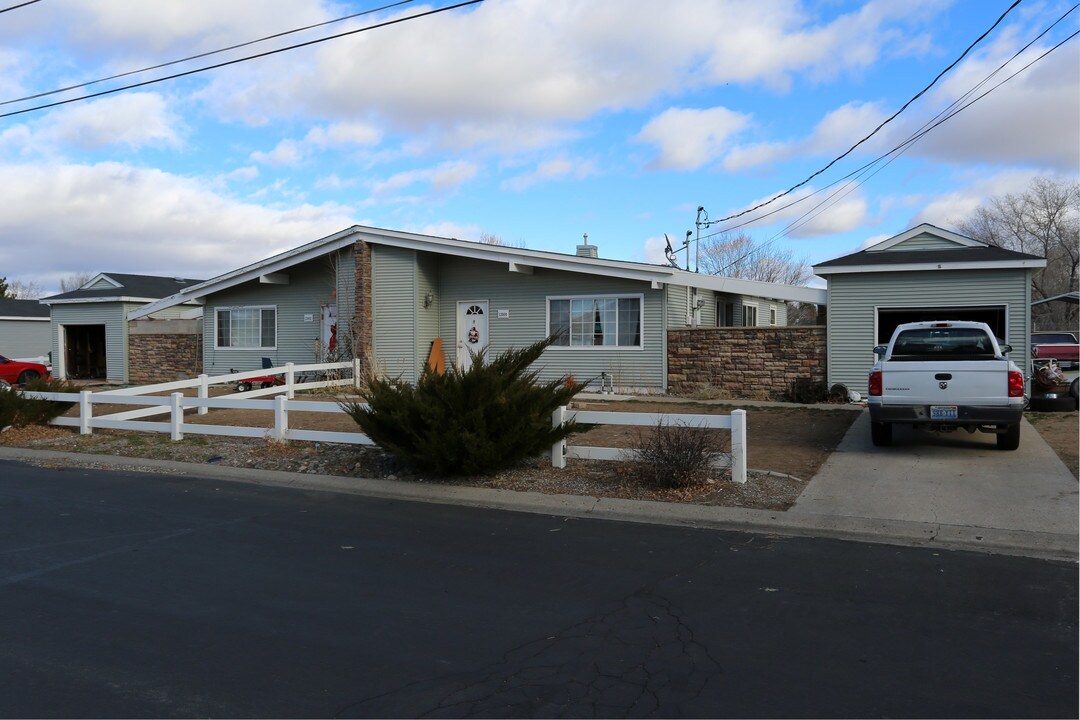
(84, 352)
(889, 318)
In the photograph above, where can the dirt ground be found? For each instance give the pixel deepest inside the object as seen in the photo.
(786, 447)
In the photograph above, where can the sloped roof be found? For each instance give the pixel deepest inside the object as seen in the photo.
(29, 309)
(515, 260)
(956, 253)
(125, 286)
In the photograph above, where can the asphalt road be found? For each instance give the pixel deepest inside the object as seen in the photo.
(135, 595)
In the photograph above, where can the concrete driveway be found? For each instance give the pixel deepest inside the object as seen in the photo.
(947, 479)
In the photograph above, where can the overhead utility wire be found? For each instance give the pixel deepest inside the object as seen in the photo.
(244, 59)
(904, 147)
(201, 55)
(915, 136)
(847, 152)
(16, 7)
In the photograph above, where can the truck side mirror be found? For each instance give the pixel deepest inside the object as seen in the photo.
(880, 350)
(1006, 349)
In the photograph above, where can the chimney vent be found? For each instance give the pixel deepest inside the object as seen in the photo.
(585, 249)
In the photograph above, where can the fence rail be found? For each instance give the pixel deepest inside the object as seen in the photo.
(175, 404)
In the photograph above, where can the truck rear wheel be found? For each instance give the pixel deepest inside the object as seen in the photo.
(1010, 439)
(881, 434)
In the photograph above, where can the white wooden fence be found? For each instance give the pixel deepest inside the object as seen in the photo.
(175, 404)
(735, 422)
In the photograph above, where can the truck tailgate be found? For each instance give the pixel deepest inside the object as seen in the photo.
(971, 382)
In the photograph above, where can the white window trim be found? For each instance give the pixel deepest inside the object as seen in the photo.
(774, 315)
(245, 307)
(594, 348)
(757, 316)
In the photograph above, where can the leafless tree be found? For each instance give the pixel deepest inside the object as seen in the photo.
(74, 282)
(739, 256)
(1044, 220)
(20, 290)
(493, 239)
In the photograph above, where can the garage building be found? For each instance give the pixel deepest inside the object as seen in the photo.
(925, 273)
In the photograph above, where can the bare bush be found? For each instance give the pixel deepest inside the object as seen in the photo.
(676, 455)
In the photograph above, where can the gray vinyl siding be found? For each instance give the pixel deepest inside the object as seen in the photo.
(925, 241)
(113, 315)
(24, 338)
(676, 305)
(311, 285)
(525, 296)
(394, 330)
(853, 300)
(427, 319)
(103, 284)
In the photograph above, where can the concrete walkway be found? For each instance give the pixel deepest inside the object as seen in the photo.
(955, 479)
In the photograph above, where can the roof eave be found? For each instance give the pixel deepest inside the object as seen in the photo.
(913, 267)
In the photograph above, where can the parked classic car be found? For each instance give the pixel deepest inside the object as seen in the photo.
(16, 371)
(1061, 346)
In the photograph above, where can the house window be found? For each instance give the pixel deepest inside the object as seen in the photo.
(253, 328)
(606, 321)
(772, 315)
(725, 314)
(749, 315)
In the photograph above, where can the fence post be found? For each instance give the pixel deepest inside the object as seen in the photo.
(356, 373)
(204, 392)
(738, 446)
(289, 380)
(176, 421)
(86, 413)
(281, 419)
(558, 459)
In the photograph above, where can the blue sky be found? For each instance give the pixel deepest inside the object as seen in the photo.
(532, 120)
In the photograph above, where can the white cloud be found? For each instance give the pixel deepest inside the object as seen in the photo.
(947, 210)
(449, 229)
(345, 133)
(111, 216)
(445, 176)
(245, 174)
(285, 153)
(688, 138)
(551, 170)
(799, 216)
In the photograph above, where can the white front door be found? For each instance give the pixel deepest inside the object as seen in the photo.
(472, 331)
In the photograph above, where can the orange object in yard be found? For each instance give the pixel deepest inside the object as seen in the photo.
(436, 361)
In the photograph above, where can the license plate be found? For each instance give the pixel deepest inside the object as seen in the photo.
(943, 412)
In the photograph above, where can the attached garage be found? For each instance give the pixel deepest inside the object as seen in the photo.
(925, 273)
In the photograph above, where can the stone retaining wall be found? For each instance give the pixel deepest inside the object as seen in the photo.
(164, 350)
(758, 363)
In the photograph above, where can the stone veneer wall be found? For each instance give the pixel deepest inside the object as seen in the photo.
(361, 325)
(163, 350)
(756, 363)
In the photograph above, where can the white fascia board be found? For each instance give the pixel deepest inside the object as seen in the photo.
(23, 317)
(929, 229)
(754, 288)
(77, 301)
(310, 251)
(923, 267)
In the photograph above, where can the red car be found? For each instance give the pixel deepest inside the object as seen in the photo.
(1061, 346)
(15, 371)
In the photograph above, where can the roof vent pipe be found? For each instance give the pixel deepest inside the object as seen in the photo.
(585, 249)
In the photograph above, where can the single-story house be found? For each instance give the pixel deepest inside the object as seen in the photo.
(89, 326)
(391, 297)
(24, 329)
(924, 273)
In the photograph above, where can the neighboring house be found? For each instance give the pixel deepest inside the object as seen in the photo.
(387, 296)
(89, 326)
(24, 329)
(925, 273)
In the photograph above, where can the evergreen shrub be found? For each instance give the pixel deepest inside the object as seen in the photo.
(18, 410)
(468, 422)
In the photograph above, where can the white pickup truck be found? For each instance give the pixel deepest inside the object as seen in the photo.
(945, 375)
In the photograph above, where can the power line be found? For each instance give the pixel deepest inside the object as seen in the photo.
(926, 127)
(144, 83)
(20, 5)
(903, 147)
(201, 55)
(847, 152)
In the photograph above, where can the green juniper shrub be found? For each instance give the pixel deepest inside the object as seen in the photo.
(675, 455)
(468, 422)
(18, 410)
